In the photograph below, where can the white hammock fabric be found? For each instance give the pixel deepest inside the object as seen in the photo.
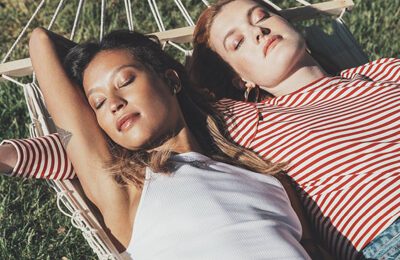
(70, 198)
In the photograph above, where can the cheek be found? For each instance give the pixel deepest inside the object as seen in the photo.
(105, 124)
(246, 63)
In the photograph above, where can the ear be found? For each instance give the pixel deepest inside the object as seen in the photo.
(173, 80)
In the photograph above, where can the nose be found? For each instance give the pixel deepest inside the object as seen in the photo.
(260, 32)
(116, 104)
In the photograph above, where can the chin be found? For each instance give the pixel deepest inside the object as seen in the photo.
(293, 57)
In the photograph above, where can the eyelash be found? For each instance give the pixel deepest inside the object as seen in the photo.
(239, 44)
(98, 105)
(263, 18)
(127, 82)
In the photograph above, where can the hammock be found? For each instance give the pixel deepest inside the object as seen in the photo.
(340, 46)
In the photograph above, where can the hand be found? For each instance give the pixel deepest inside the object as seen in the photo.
(8, 158)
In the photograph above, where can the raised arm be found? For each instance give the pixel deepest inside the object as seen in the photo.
(81, 137)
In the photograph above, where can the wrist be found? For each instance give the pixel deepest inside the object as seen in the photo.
(8, 158)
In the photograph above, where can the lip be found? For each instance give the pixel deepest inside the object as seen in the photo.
(126, 121)
(270, 43)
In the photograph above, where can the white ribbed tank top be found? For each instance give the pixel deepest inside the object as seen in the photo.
(211, 210)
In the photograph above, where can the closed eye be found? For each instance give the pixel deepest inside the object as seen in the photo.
(126, 82)
(265, 17)
(238, 44)
(259, 15)
(98, 104)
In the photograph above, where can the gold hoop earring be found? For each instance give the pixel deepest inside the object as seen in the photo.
(247, 93)
(176, 89)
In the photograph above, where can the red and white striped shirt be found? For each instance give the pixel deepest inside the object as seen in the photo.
(41, 158)
(341, 138)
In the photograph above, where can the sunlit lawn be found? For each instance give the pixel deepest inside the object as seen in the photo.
(31, 227)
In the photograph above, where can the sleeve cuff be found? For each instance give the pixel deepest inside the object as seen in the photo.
(19, 156)
(41, 158)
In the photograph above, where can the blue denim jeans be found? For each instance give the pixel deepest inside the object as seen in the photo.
(386, 246)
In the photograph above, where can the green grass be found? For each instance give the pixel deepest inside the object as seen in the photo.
(31, 226)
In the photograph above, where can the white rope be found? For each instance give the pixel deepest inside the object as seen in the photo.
(23, 31)
(303, 2)
(79, 221)
(78, 14)
(184, 12)
(130, 14)
(90, 234)
(53, 19)
(37, 90)
(34, 101)
(61, 198)
(30, 111)
(156, 15)
(103, 5)
(12, 80)
(128, 18)
(273, 5)
(177, 47)
(341, 15)
(206, 3)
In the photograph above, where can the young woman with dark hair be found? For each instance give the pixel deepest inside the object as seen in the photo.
(152, 154)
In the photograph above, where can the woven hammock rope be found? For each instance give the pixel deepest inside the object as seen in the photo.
(70, 198)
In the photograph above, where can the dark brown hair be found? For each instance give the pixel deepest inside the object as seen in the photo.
(203, 120)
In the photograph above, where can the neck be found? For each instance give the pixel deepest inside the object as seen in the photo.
(182, 142)
(307, 71)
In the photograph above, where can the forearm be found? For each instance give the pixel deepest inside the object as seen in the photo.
(8, 158)
(60, 44)
(39, 158)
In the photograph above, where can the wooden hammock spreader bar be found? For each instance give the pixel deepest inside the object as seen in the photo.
(23, 67)
(311, 11)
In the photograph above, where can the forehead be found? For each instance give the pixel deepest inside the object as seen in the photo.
(104, 63)
(107, 59)
(230, 16)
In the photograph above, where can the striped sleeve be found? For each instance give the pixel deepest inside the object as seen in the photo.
(385, 69)
(242, 120)
(41, 158)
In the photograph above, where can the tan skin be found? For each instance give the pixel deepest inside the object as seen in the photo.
(277, 61)
(116, 87)
(105, 81)
(8, 156)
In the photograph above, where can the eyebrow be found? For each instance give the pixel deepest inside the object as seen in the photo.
(230, 32)
(90, 91)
